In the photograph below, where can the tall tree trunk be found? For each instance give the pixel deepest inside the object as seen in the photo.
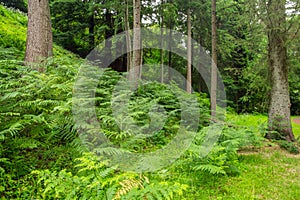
(161, 41)
(199, 66)
(189, 54)
(92, 29)
(279, 108)
(213, 89)
(137, 56)
(170, 48)
(170, 54)
(108, 43)
(128, 37)
(39, 32)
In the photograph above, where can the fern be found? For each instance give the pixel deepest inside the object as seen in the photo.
(36, 107)
(157, 191)
(127, 185)
(212, 169)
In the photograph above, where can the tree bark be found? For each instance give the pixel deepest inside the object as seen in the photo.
(189, 54)
(128, 37)
(170, 48)
(213, 89)
(279, 121)
(200, 66)
(92, 29)
(39, 32)
(161, 41)
(170, 54)
(108, 43)
(137, 55)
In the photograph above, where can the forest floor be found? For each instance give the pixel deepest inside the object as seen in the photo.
(296, 120)
(296, 126)
(266, 173)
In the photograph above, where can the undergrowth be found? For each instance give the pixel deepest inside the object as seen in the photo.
(39, 140)
(42, 155)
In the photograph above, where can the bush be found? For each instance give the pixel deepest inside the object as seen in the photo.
(289, 146)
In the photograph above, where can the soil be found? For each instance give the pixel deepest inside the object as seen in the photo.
(297, 120)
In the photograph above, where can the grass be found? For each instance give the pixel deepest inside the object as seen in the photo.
(268, 173)
(257, 121)
(296, 128)
(265, 173)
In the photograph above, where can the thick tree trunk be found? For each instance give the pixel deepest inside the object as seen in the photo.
(137, 55)
(213, 89)
(39, 32)
(189, 54)
(279, 108)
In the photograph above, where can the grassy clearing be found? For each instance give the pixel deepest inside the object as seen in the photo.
(296, 128)
(267, 173)
(257, 121)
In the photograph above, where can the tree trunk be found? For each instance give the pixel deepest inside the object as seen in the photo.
(161, 41)
(170, 48)
(279, 109)
(170, 54)
(189, 54)
(213, 89)
(39, 32)
(137, 56)
(92, 29)
(200, 65)
(108, 43)
(128, 37)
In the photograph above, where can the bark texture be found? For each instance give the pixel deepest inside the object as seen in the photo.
(162, 41)
(128, 37)
(213, 86)
(137, 54)
(279, 109)
(39, 32)
(189, 54)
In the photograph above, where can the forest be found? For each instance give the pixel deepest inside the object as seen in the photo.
(150, 99)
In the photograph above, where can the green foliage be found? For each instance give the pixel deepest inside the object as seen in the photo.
(70, 20)
(41, 153)
(12, 29)
(140, 106)
(160, 190)
(223, 157)
(16, 4)
(289, 146)
(94, 180)
(294, 80)
(35, 113)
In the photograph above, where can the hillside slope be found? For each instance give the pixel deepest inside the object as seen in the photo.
(13, 28)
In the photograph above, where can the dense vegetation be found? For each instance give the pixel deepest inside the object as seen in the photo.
(42, 155)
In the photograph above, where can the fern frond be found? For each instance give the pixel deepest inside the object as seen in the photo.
(14, 129)
(212, 169)
(127, 185)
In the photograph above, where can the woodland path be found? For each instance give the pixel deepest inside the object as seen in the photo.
(297, 120)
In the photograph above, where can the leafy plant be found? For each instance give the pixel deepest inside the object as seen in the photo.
(289, 146)
(94, 180)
